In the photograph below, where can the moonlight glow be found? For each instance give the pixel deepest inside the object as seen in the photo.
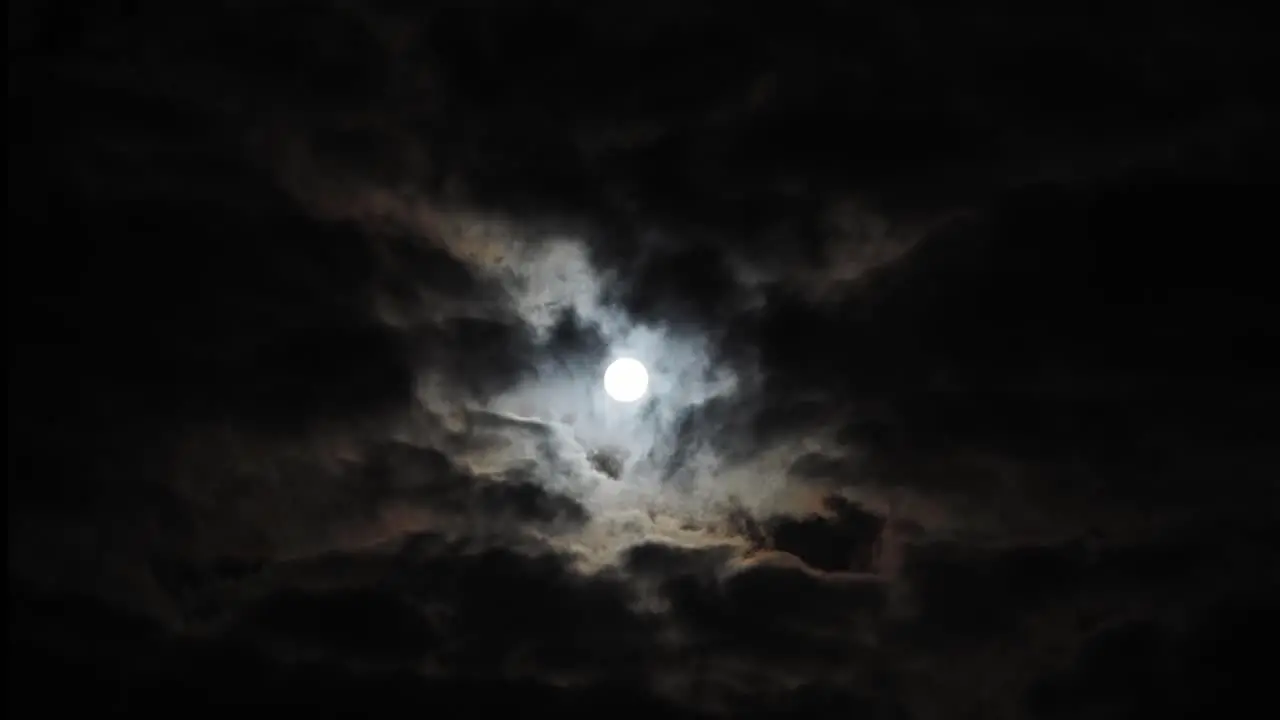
(626, 380)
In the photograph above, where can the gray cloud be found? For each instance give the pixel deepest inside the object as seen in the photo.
(941, 419)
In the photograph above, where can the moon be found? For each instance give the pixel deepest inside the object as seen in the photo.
(626, 380)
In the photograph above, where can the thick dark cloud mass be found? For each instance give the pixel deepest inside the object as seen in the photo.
(959, 326)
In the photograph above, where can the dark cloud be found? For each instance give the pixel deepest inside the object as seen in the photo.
(425, 475)
(847, 541)
(683, 286)
(959, 355)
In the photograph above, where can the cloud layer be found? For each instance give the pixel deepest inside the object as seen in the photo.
(956, 380)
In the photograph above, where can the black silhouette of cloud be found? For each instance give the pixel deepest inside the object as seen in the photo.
(958, 339)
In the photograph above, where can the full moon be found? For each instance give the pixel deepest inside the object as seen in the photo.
(626, 380)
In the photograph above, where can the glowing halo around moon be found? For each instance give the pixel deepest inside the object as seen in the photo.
(626, 380)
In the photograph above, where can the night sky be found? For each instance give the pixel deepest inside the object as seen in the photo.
(960, 323)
